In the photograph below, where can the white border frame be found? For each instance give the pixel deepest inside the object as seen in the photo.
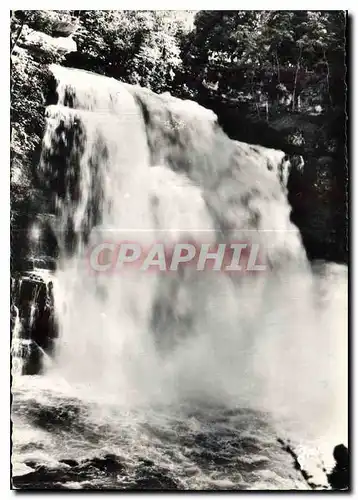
(5, 192)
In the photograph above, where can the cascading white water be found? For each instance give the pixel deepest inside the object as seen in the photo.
(16, 345)
(146, 168)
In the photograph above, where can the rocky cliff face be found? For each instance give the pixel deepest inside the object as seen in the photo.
(32, 242)
(32, 88)
(318, 193)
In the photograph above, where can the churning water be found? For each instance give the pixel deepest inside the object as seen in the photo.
(180, 380)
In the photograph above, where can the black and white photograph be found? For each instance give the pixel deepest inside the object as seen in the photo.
(179, 226)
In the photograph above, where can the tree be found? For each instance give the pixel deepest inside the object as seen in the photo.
(265, 48)
(140, 47)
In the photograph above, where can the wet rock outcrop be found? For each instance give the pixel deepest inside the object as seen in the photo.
(339, 477)
(32, 318)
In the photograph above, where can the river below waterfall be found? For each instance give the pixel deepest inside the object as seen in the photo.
(61, 441)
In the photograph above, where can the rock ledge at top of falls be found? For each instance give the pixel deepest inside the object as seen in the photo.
(40, 43)
(53, 23)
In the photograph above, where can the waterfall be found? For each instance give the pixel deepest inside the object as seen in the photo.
(16, 344)
(128, 165)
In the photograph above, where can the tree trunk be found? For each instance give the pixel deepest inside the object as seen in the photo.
(278, 67)
(18, 36)
(296, 77)
(327, 77)
(254, 97)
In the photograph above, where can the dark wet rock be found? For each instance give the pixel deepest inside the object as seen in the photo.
(33, 360)
(32, 308)
(92, 473)
(69, 462)
(339, 478)
(109, 464)
(155, 483)
(306, 476)
(147, 463)
(30, 463)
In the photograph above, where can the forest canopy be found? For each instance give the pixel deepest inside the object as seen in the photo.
(273, 53)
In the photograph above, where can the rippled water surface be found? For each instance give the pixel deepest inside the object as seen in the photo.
(61, 442)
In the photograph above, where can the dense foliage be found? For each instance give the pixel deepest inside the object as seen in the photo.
(267, 54)
(273, 77)
(140, 47)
